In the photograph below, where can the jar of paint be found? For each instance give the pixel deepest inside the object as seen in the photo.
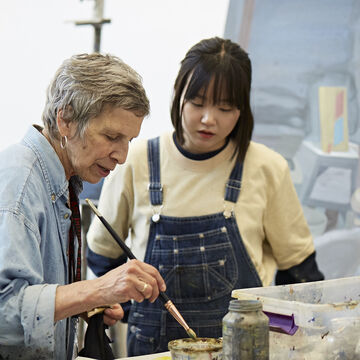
(245, 331)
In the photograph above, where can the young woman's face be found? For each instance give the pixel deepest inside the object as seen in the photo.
(104, 145)
(206, 125)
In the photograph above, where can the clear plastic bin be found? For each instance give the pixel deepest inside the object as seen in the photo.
(326, 317)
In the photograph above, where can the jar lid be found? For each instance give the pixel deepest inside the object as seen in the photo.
(245, 305)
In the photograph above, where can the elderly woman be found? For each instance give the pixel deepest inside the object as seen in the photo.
(95, 106)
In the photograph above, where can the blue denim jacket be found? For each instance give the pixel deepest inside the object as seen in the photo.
(34, 228)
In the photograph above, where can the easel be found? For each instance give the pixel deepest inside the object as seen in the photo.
(97, 23)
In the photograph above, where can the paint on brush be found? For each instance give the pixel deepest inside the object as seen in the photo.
(191, 333)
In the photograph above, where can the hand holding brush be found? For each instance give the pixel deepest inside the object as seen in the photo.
(166, 301)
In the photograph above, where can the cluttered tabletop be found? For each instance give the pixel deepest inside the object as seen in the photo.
(319, 320)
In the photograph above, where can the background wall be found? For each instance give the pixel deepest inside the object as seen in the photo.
(151, 36)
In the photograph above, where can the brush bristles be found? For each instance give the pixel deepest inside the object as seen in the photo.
(192, 334)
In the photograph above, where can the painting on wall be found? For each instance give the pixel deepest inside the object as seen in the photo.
(305, 97)
(333, 119)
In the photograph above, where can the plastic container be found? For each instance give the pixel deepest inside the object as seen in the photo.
(199, 349)
(304, 318)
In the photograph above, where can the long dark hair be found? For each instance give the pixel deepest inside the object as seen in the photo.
(230, 67)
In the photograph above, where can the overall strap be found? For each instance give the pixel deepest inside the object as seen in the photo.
(155, 188)
(233, 185)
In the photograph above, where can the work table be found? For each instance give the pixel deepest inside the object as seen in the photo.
(160, 356)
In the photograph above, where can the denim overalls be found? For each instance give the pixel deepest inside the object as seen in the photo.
(202, 259)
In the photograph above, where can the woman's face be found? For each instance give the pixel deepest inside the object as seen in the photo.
(206, 125)
(104, 145)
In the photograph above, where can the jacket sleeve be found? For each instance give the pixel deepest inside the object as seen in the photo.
(27, 304)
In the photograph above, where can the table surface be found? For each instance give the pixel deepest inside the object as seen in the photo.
(160, 356)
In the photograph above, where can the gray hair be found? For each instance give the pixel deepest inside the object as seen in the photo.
(86, 83)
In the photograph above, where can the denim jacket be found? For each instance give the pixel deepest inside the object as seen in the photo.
(34, 228)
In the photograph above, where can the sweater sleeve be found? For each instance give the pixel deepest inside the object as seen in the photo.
(116, 206)
(285, 226)
(100, 265)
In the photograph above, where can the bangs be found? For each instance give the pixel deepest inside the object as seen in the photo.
(224, 90)
(218, 71)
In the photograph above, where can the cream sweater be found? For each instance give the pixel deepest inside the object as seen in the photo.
(268, 212)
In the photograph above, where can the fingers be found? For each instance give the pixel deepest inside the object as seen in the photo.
(154, 273)
(146, 290)
(151, 281)
(145, 286)
(134, 280)
(113, 315)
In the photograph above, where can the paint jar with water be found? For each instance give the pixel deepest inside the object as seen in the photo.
(245, 331)
(198, 349)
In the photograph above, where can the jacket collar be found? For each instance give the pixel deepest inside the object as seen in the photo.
(50, 164)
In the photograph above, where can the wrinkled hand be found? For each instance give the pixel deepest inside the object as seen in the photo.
(113, 315)
(133, 280)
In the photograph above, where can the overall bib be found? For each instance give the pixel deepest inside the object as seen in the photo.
(202, 259)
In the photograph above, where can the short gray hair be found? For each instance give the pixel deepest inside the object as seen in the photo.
(86, 83)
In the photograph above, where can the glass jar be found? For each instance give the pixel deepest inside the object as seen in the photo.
(245, 331)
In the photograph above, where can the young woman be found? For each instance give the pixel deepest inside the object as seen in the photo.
(210, 209)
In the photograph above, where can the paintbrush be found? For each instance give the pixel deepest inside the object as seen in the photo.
(169, 305)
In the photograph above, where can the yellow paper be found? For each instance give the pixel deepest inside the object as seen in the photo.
(333, 118)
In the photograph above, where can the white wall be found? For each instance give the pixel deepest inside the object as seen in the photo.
(151, 36)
